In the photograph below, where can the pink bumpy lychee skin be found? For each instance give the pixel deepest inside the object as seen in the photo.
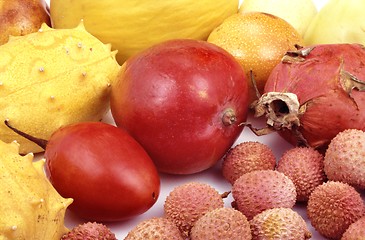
(246, 157)
(333, 207)
(304, 166)
(90, 231)
(345, 158)
(259, 190)
(279, 223)
(355, 231)
(186, 203)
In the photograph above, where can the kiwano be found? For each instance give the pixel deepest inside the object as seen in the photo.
(52, 78)
(29, 205)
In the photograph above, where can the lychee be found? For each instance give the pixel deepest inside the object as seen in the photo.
(222, 223)
(356, 231)
(304, 166)
(155, 228)
(186, 203)
(279, 223)
(345, 158)
(246, 157)
(90, 231)
(333, 207)
(259, 190)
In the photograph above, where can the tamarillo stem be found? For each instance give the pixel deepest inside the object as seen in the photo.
(40, 142)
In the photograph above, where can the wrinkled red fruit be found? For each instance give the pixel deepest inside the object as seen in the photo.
(315, 93)
(183, 101)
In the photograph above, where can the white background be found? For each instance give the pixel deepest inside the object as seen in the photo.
(211, 176)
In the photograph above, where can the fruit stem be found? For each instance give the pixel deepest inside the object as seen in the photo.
(281, 109)
(229, 117)
(40, 142)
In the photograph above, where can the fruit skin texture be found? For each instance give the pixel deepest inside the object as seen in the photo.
(258, 41)
(222, 223)
(155, 228)
(57, 78)
(90, 231)
(186, 203)
(21, 17)
(304, 166)
(30, 206)
(183, 101)
(246, 157)
(279, 223)
(139, 24)
(315, 93)
(298, 13)
(116, 179)
(356, 230)
(344, 159)
(333, 207)
(338, 21)
(259, 190)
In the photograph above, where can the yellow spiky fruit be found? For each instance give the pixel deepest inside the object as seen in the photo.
(30, 207)
(53, 78)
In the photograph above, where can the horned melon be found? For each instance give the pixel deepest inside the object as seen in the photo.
(52, 78)
(29, 205)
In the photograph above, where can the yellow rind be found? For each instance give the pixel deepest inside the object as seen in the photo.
(52, 78)
(30, 207)
(133, 25)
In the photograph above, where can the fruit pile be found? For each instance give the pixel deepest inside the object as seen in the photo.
(182, 120)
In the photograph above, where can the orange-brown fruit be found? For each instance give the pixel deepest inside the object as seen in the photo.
(304, 166)
(258, 41)
(333, 207)
(21, 17)
(186, 203)
(246, 157)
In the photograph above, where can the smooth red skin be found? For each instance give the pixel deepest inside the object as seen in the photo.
(172, 97)
(106, 172)
(316, 81)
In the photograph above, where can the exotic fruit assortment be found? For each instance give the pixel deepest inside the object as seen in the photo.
(314, 93)
(52, 78)
(183, 101)
(163, 137)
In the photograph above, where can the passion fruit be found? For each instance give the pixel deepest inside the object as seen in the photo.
(258, 41)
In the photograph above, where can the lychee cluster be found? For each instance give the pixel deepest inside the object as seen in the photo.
(264, 192)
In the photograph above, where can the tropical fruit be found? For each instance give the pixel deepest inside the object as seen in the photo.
(52, 78)
(133, 25)
(258, 41)
(333, 207)
(186, 203)
(259, 190)
(30, 207)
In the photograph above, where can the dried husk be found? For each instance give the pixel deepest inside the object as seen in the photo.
(314, 93)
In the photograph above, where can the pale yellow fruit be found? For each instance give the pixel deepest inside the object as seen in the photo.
(29, 205)
(133, 25)
(339, 21)
(53, 78)
(299, 13)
